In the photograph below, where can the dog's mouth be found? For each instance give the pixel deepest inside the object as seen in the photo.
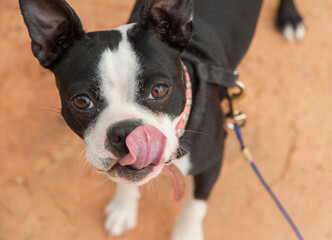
(146, 145)
(132, 175)
(146, 160)
(128, 174)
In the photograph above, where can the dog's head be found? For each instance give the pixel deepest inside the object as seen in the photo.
(121, 90)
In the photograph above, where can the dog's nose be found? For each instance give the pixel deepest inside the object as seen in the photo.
(117, 134)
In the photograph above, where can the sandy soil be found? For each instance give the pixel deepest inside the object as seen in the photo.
(48, 191)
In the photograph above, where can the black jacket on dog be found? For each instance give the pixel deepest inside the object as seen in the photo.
(222, 34)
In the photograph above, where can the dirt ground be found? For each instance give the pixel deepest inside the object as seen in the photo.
(48, 191)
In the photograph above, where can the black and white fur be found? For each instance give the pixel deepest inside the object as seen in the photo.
(116, 71)
(289, 22)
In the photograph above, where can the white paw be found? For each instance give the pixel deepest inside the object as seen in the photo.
(189, 224)
(188, 231)
(121, 213)
(294, 33)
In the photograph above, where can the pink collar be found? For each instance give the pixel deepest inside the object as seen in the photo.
(180, 127)
(174, 173)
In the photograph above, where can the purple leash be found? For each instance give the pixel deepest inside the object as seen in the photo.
(267, 187)
(238, 120)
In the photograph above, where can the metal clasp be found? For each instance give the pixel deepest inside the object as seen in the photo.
(235, 115)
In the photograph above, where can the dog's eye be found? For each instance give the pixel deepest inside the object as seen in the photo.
(158, 91)
(82, 102)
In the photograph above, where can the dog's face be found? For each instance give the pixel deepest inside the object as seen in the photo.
(122, 90)
(113, 82)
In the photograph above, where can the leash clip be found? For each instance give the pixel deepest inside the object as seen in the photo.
(235, 115)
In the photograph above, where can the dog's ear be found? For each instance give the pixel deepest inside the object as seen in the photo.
(170, 20)
(53, 26)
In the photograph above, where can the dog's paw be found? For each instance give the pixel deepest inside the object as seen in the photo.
(189, 224)
(290, 23)
(188, 231)
(121, 212)
(120, 217)
(292, 33)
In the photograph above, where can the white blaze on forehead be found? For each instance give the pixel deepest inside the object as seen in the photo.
(118, 71)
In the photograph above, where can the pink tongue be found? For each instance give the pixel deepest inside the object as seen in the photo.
(146, 145)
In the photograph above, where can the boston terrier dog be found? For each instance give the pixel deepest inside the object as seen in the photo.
(126, 92)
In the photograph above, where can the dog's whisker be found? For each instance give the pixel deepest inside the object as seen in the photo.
(181, 152)
(45, 105)
(102, 182)
(49, 110)
(65, 142)
(191, 131)
(81, 165)
(81, 154)
(153, 191)
(140, 189)
(186, 150)
(157, 182)
(150, 189)
(147, 188)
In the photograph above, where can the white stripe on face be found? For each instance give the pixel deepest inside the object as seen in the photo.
(118, 72)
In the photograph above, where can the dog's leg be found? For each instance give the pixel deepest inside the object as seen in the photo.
(121, 212)
(189, 224)
(289, 22)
